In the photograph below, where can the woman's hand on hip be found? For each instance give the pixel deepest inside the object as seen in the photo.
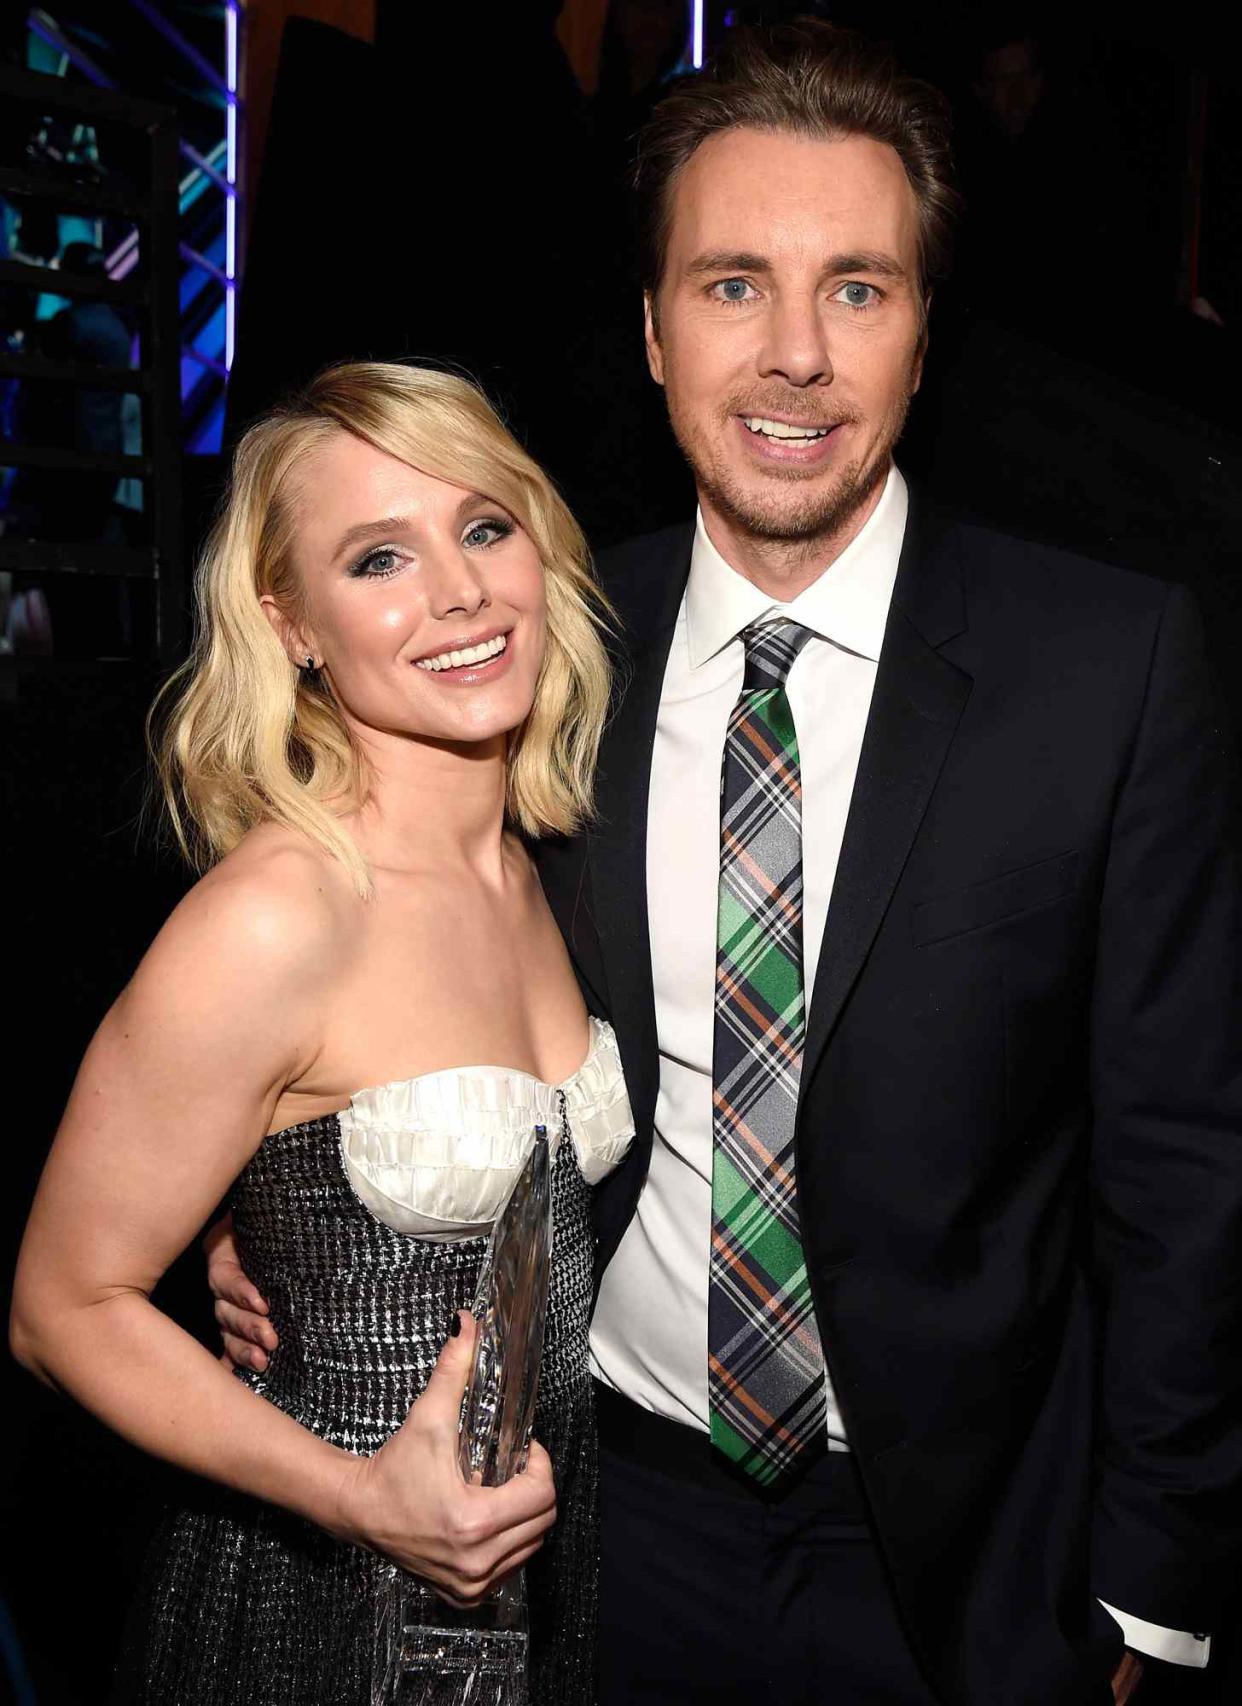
(241, 1309)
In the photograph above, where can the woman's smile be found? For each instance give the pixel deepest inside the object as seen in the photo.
(461, 663)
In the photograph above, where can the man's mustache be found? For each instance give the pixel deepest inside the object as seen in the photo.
(795, 406)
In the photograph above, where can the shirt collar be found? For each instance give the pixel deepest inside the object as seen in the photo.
(848, 604)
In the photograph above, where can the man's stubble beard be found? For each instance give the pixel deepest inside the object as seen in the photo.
(824, 511)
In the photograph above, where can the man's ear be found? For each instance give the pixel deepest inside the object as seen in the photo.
(651, 334)
(297, 642)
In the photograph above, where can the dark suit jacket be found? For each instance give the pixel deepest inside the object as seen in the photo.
(1020, 1123)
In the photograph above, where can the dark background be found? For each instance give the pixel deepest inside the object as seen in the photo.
(443, 183)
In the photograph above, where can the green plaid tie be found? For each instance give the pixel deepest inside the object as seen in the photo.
(765, 1364)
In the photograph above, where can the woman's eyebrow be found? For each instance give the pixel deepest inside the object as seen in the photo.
(365, 530)
(392, 524)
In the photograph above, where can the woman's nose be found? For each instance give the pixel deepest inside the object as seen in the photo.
(454, 585)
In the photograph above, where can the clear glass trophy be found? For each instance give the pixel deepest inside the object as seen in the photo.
(426, 1652)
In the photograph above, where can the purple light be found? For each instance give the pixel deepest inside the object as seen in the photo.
(230, 48)
(126, 264)
(230, 206)
(696, 33)
(123, 257)
(173, 36)
(48, 32)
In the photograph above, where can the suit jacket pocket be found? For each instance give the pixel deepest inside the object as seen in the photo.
(993, 901)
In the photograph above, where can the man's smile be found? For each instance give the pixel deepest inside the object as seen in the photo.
(772, 427)
(769, 440)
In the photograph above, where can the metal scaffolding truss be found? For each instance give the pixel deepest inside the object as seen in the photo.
(151, 293)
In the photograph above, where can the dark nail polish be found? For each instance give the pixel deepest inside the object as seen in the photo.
(455, 1326)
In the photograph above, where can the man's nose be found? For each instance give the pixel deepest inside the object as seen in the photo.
(795, 347)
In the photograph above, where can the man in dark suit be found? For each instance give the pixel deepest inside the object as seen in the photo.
(914, 900)
(1014, 1124)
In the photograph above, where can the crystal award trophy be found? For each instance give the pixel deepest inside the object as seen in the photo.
(427, 1653)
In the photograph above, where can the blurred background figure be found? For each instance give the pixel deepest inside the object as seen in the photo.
(69, 417)
(645, 44)
(1010, 85)
(1049, 190)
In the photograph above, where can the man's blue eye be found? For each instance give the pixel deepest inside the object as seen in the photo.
(858, 295)
(733, 289)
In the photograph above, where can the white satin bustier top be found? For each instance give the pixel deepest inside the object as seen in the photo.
(436, 1156)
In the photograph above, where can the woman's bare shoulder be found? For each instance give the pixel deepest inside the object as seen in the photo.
(228, 1004)
(276, 908)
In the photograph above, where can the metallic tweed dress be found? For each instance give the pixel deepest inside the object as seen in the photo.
(245, 1605)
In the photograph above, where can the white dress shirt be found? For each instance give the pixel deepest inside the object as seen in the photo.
(649, 1333)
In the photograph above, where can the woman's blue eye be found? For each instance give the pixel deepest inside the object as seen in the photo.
(731, 289)
(487, 533)
(377, 565)
(858, 295)
(386, 560)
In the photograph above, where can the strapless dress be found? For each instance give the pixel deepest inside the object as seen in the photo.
(366, 1229)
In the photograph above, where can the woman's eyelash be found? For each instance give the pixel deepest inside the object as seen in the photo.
(498, 524)
(363, 569)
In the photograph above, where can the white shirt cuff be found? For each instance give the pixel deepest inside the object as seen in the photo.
(1174, 1646)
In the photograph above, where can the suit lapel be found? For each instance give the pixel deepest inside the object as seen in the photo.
(918, 700)
(915, 708)
(617, 848)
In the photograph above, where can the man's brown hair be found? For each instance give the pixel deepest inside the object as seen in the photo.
(812, 79)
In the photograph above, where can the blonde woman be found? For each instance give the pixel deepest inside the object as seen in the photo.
(349, 1029)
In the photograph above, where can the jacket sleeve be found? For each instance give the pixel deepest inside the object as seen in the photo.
(1166, 1161)
(562, 867)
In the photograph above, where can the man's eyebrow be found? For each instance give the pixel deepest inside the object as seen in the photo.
(724, 261)
(387, 526)
(865, 260)
(728, 260)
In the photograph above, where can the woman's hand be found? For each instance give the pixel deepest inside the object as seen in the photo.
(411, 1502)
(241, 1310)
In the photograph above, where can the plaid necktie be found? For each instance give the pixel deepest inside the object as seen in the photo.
(765, 1365)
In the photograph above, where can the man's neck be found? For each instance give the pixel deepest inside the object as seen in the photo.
(782, 568)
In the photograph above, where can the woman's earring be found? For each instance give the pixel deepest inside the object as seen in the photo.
(309, 666)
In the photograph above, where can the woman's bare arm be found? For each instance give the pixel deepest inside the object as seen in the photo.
(173, 1097)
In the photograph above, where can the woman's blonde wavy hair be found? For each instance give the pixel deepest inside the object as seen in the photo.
(241, 737)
